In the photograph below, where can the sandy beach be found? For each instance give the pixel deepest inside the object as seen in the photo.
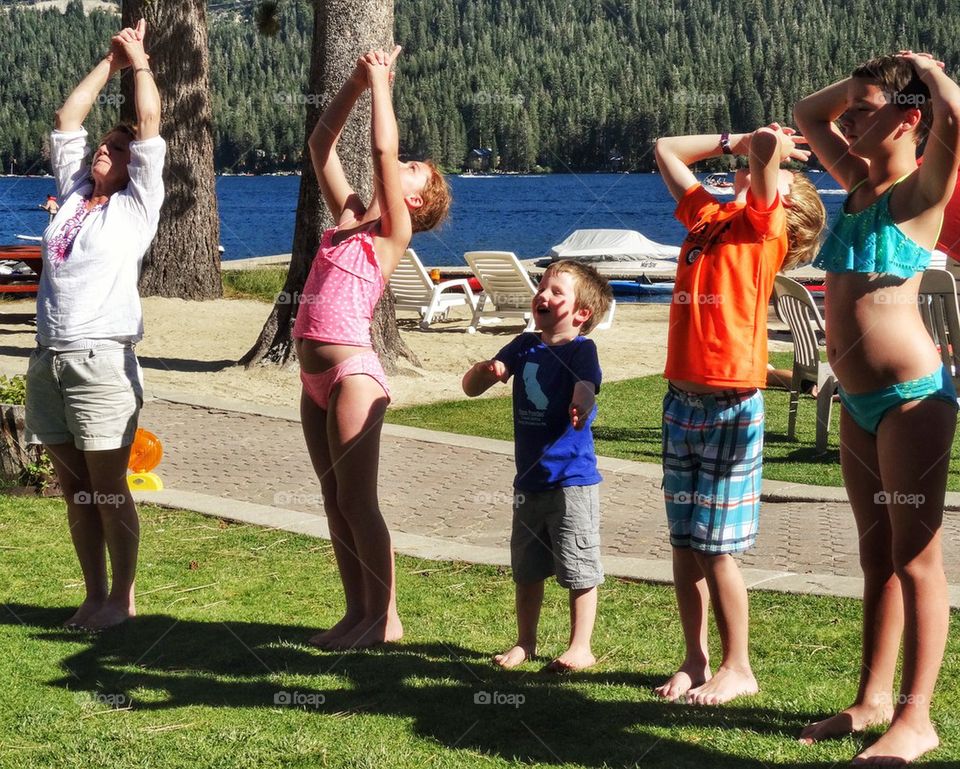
(192, 347)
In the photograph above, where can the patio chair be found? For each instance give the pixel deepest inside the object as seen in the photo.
(413, 289)
(507, 288)
(796, 308)
(941, 316)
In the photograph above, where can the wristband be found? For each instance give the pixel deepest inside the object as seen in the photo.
(143, 69)
(725, 143)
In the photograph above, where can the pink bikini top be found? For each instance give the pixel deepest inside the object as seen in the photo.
(343, 288)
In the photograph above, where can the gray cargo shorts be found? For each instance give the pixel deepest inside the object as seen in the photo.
(557, 532)
(90, 398)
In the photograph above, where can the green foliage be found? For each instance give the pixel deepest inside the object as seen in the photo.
(13, 390)
(550, 83)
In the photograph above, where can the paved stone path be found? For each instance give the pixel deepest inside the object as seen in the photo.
(456, 492)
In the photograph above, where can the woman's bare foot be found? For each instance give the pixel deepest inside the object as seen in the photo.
(516, 655)
(726, 685)
(82, 615)
(111, 614)
(324, 638)
(689, 676)
(901, 744)
(572, 660)
(367, 634)
(856, 718)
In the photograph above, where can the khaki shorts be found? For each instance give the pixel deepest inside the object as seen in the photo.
(91, 398)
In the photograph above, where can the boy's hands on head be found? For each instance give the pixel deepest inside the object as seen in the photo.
(581, 406)
(789, 139)
(922, 62)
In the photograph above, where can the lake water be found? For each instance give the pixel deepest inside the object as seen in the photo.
(523, 214)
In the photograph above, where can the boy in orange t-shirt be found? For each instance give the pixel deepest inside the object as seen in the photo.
(716, 365)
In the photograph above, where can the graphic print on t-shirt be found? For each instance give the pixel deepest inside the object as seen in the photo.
(533, 391)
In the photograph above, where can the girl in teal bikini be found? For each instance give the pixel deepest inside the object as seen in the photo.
(899, 416)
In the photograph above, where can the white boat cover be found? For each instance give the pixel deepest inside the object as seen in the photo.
(612, 246)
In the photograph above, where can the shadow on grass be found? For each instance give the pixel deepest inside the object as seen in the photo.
(450, 694)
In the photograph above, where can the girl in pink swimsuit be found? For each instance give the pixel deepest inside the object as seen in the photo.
(345, 392)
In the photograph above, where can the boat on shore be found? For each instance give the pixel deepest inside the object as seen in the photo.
(718, 184)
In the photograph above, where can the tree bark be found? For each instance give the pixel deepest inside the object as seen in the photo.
(342, 30)
(184, 260)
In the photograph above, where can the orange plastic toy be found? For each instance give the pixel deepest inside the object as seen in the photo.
(145, 454)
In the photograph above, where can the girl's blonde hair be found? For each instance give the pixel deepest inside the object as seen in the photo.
(806, 218)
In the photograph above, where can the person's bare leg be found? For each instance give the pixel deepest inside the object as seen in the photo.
(882, 598)
(529, 599)
(313, 419)
(583, 614)
(914, 444)
(85, 529)
(358, 406)
(693, 599)
(728, 594)
(121, 532)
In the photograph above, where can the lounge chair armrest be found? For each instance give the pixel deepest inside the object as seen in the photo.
(456, 282)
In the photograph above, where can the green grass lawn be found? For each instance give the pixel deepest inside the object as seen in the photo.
(628, 427)
(200, 678)
(261, 283)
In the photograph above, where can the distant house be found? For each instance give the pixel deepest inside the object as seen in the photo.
(480, 159)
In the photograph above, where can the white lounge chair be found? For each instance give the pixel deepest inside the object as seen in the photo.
(507, 288)
(941, 316)
(413, 289)
(796, 308)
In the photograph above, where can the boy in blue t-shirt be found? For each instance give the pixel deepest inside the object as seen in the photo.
(556, 510)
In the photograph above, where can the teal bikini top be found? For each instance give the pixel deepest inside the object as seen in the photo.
(870, 241)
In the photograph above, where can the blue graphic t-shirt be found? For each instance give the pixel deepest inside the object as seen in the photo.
(549, 451)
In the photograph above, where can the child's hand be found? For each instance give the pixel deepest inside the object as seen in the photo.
(377, 66)
(496, 369)
(126, 48)
(581, 406)
(789, 139)
(922, 62)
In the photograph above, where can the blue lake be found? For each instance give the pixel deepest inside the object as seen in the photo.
(523, 214)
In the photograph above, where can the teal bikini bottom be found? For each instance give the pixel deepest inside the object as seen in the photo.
(867, 409)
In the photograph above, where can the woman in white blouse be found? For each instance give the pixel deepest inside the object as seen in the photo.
(84, 389)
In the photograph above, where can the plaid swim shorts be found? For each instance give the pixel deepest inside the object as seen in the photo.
(712, 469)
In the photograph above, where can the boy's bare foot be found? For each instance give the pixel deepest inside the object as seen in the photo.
(367, 634)
(571, 661)
(514, 656)
(726, 685)
(688, 677)
(111, 614)
(856, 718)
(83, 614)
(901, 744)
(325, 637)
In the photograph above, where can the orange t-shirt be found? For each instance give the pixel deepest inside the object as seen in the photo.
(725, 272)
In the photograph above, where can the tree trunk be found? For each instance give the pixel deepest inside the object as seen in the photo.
(342, 30)
(184, 260)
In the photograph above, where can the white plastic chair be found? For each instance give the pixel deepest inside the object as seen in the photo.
(413, 289)
(507, 288)
(941, 316)
(797, 309)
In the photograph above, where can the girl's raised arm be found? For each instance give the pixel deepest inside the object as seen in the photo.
(337, 192)
(937, 176)
(395, 225)
(815, 116)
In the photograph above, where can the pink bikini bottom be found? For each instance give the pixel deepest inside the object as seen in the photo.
(320, 386)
